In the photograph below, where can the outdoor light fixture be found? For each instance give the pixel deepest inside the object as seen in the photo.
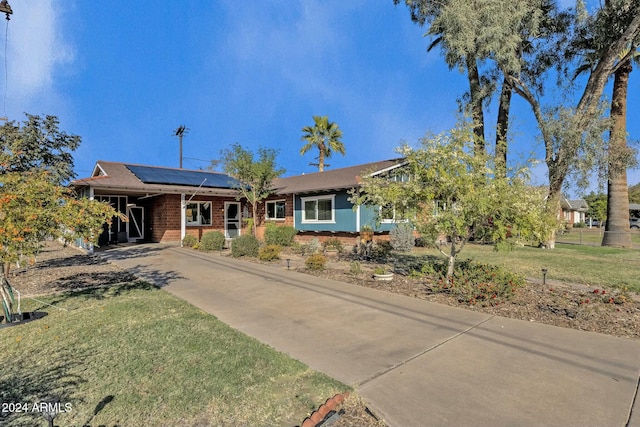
(544, 276)
(51, 408)
(288, 263)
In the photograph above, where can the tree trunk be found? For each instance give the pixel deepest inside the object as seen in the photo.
(321, 160)
(254, 208)
(477, 115)
(617, 231)
(553, 208)
(502, 129)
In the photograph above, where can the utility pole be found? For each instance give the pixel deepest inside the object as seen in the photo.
(180, 132)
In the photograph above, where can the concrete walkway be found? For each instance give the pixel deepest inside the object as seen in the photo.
(416, 363)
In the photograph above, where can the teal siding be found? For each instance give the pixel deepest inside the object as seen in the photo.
(344, 213)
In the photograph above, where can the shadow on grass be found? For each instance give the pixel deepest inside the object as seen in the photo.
(99, 407)
(31, 379)
(100, 293)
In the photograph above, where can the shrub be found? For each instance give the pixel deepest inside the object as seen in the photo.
(382, 249)
(281, 235)
(246, 245)
(212, 241)
(189, 241)
(401, 237)
(354, 268)
(315, 261)
(311, 247)
(475, 283)
(334, 244)
(269, 253)
(422, 242)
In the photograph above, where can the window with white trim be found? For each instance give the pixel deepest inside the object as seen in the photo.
(391, 214)
(275, 210)
(318, 209)
(198, 213)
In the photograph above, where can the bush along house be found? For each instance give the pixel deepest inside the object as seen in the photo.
(161, 204)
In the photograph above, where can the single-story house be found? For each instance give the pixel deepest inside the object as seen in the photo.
(161, 204)
(573, 211)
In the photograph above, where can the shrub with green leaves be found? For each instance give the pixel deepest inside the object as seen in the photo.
(474, 283)
(269, 253)
(212, 241)
(281, 235)
(381, 249)
(316, 262)
(333, 244)
(189, 241)
(246, 245)
(401, 237)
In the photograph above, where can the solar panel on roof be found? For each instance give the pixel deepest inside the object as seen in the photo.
(156, 175)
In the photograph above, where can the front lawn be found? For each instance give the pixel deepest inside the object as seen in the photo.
(132, 355)
(588, 265)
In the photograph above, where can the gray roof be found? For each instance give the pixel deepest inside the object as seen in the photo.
(333, 179)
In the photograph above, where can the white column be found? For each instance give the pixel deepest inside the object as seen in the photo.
(183, 218)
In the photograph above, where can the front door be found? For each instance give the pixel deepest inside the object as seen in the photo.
(136, 223)
(232, 219)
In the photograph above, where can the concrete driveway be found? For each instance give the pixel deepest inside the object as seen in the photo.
(416, 363)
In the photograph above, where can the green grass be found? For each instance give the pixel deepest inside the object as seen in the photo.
(591, 236)
(135, 355)
(588, 265)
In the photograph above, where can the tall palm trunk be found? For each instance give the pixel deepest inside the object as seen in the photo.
(617, 231)
(321, 159)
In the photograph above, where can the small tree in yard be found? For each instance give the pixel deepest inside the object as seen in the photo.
(35, 160)
(253, 175)
(452, 193)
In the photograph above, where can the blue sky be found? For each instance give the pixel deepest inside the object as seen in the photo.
(124, 75)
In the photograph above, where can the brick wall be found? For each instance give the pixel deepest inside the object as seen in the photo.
(165, 217)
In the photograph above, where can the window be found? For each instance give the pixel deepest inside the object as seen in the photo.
(318, 209)
(399, 176)
(199, 213)
(275, 209)
(390, 213)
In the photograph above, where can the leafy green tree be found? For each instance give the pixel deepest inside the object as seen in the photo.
(634, 194)
(597, 206)
(37, 144)
(452, 194)
(325, 136)
(254, 176)
(514, 36)
(35, 159)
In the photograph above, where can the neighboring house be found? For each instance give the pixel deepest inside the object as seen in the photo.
(151, 198)
(573, 211)
(163, 204)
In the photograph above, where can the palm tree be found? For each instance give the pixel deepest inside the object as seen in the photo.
(617, 232)
(325, 136)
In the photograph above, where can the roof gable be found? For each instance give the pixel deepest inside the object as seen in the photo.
(334, 179)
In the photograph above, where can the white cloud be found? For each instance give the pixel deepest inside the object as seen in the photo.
(36, 49)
